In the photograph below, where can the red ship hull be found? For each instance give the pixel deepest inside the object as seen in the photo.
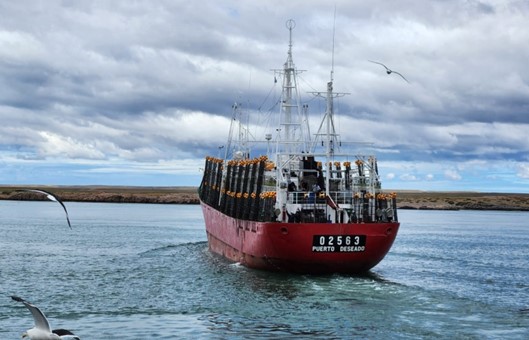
(290, 247)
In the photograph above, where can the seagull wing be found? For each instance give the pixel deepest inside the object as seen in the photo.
(376, 62)
(66, 211)
(40, 319)
(401, 76)
(65, 334)
(53, 198)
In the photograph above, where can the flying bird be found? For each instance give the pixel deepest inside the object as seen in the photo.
(388, 71)
(42, 330)
(51, 197)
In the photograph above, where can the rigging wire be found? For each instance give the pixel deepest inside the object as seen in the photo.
(268, 95)
(266, 116)
(307, 83)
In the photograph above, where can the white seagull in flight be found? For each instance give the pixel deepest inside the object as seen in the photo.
(388, 71)
(53, 198)
(42, 329)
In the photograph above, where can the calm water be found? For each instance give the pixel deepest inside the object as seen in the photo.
(144, 271)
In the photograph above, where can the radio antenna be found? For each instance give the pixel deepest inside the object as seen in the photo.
(333, 34)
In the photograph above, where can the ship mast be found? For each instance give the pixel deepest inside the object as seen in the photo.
(241, 149)
(293, 136)
(329, 138)
(326, 130)
(292, 133)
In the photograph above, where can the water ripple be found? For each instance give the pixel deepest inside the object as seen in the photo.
(138, 278)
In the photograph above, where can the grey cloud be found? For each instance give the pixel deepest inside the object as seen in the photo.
(121, 79)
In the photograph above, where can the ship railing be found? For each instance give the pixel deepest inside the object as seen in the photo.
(341, 197)
(363, 209)
(304, 197)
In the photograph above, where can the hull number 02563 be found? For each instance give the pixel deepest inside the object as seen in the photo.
(339, 243)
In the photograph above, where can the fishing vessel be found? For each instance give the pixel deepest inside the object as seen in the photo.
(312, 204)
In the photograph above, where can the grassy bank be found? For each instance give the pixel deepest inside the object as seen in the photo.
(463, 201)
(111, 194)
(188, 195)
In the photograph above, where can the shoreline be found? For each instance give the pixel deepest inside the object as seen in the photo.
(406, 200)
(106, 194)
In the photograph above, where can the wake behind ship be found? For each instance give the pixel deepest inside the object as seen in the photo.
(311, 206)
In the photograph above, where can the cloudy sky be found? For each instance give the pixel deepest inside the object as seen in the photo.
(138, 92)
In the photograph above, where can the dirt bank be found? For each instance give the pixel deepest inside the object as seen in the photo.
(160, 195)
(188, 195)
(463, 201)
